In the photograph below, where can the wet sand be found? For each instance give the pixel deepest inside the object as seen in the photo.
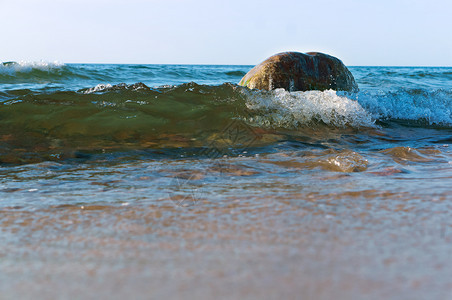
(309, 234)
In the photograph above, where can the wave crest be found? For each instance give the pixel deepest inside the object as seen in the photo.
(432, 107)
(11, 68)
(280, 108)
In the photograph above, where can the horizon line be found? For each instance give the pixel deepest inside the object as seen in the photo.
(206, 64)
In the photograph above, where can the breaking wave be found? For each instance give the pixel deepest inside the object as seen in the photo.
(11, 68)
(425, 107)
(110, 117)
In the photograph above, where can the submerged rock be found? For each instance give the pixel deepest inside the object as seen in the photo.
(295, 71)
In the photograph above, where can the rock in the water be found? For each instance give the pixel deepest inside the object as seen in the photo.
(295, 71)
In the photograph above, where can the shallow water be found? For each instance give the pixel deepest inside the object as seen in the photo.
(177, 189)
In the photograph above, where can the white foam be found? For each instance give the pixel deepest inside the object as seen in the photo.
(434, 107)
(293, 109)
(98, 88)
(27, 66)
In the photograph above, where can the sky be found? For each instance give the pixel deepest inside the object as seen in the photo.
(239, 32)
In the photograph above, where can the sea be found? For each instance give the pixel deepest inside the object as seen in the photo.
(121, 180)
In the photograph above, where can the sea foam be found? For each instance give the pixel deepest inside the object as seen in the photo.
(10, 68)
(280, 108)
(431, 107)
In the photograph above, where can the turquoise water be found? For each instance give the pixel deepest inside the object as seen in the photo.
(174, 175)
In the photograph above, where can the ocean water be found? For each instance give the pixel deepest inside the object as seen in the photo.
(173, 181)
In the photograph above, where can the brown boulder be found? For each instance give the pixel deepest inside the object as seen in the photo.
(295, 71)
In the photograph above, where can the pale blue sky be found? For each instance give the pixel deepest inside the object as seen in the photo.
(360, 32)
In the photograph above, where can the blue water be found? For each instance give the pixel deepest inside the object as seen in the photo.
(38, 75)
